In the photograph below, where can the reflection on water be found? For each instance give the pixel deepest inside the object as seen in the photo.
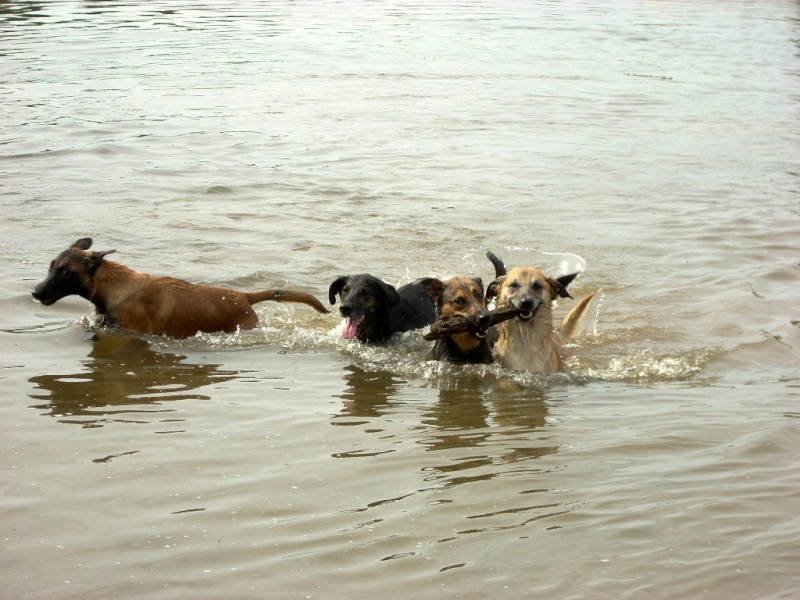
(122, 372)
(488, 417)
(368, 393)
(464, 428)
(459, 419)
(19, 11)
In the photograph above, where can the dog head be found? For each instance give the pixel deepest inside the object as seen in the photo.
(71, 273)
(464, 297)
(365, 305)
(527, 290)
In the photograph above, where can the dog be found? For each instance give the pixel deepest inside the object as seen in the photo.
(462, 296)
(374, 310)
(528, 341)
(153, 305)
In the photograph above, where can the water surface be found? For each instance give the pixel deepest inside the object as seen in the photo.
(279, 144)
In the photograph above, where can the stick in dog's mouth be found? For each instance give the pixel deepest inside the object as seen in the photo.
(526, 308)
(527, 315)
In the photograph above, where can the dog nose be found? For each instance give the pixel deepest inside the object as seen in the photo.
(345, 309)
(484, 319)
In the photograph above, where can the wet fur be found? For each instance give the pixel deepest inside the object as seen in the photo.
(377, 310)
(461, 296)
(529, 341)
(154, 305)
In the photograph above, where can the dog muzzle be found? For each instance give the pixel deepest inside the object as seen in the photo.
(527, 309)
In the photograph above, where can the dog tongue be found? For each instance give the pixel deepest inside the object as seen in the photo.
(350, 327)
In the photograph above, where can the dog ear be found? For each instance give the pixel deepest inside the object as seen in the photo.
(94, 260)
(83, 244)
(392, 297)
(499, 267)
(336, 288)
(491, 291)
(560, 284)
(434, 287)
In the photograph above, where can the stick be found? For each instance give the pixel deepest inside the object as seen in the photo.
(447, 326)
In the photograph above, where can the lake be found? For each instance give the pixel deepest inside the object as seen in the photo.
(654, 146)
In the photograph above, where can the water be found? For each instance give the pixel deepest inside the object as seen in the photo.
(280, 144)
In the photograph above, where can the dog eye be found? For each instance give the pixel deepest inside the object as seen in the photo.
(63, 271)
(514, 285)
(537, 286)
(459, 301)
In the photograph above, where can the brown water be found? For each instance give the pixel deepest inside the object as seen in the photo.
(283, 144)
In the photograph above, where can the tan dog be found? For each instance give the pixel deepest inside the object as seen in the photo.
(528, 341)
(154, 305)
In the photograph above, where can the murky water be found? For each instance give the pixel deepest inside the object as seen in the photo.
(281, 144)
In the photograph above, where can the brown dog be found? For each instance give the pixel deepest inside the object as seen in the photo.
(154, 305)
(528, 341)
(464, 297)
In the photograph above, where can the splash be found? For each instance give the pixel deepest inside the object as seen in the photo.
(647, 366)
(591, 358)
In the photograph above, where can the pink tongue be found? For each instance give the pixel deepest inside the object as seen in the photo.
(350, 327)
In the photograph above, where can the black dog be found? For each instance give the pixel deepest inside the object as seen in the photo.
(374, 310)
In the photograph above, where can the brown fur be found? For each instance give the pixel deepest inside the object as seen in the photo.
(529, 341)
(464, 297)
(154, 305)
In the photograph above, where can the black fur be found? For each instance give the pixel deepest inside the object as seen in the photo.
(499, 266)
(71, 272)
(379, 309)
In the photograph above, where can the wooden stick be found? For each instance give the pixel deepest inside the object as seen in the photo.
(447, 326)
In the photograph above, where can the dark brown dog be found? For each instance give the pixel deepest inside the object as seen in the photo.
(529, 342)
(374, 310)
(464, 297)
(154, 305)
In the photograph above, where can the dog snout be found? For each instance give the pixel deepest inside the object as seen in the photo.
(346, 310)
(528, 304)
(484, 319)
(39, 292)
(42, 294)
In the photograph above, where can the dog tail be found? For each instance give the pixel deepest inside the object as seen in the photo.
(576, 320)
(286, 296)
